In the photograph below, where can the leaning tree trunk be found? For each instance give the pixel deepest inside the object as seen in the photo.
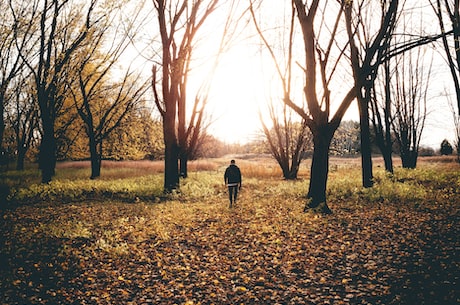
(289, 173)
(386, 148)
(296, 158)
(387, 158)
(295, 163)
(319, 170)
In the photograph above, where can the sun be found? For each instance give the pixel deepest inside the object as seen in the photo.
(237, 93)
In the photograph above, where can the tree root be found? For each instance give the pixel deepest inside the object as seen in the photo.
(320, 207)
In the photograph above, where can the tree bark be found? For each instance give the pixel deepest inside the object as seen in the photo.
(409, 159)
(366, 152)
(21, 156)
(2, 122)
(47, 157)
(387, 152)
(95, 157)
(171, 175)
(183, 165)
(388, 142)
(319, 169)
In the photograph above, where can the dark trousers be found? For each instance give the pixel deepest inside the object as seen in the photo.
(232, 193)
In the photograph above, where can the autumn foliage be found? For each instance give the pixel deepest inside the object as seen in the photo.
(395, 243)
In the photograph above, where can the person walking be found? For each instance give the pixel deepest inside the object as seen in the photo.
(232, 178)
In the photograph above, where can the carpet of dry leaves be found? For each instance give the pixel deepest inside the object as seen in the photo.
(263, 251)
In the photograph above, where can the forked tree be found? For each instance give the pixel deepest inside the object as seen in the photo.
(324, 52)
(178, 24)
(58, 37)
(409, 93)
(287, 138)
(381, 116)
(101, 101)
(183, 115)
(15, 34)
(22, 116)
(368, 51)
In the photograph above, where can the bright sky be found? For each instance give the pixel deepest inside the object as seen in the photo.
(243, 85)
(237, 95)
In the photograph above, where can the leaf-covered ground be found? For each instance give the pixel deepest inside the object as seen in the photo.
(263, 251)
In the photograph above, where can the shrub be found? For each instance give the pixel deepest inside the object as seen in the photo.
(446, 148)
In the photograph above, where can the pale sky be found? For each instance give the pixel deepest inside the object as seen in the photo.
(243, 85)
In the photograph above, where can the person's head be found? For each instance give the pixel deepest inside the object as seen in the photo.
(232, 162)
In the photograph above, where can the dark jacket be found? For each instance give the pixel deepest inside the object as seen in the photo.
(232, 175)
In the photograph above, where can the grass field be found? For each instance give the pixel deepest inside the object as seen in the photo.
(118, 240)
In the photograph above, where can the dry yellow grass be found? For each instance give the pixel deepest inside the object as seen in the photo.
(252, 166)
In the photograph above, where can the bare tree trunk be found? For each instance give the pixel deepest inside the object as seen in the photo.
(47, 157)
(319, 169)
(183, 162)
(171, 175)
(388, 142)
(384, 142)
(365, 134)
(178, 42)
(2, 121)
(95, 156)
(286, 143)
(3, 153)
(21, 156)
(409, 159)
(47, 68)
(365, 60)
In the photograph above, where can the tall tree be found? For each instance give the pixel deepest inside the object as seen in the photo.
(287, 141)
(23, 117)
(411, 35)
(15, 33)
(381, 116)
(324, 54)
(178, 23)
(368, 50)
(410, 94)
(62, 28)
(318, 63)
(103, 103)
(103, 108)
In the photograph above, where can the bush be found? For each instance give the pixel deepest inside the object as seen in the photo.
(446, 148)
